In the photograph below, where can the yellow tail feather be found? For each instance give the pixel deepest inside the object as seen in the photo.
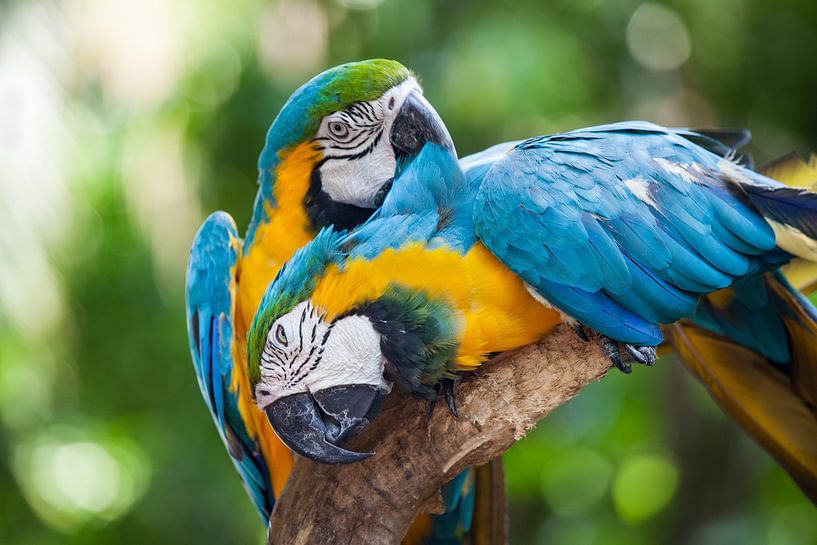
(792, 170)
(758, 396)
(419, 530)
(776, 409)
(802, 275)
(802, 330)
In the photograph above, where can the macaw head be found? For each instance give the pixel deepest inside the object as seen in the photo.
(320, 368)
(365, 120)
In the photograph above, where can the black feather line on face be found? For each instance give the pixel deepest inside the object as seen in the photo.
(301, 331)
(322, 347)
(299, 377)
(358, 125)
(272, 360)
(354, 143)
(276, 349)
(355, 156)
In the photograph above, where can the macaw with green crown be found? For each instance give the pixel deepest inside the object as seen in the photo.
(330, 158)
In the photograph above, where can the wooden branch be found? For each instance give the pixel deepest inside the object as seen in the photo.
(375, 501)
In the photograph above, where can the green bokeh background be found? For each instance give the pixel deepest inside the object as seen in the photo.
(123, 123)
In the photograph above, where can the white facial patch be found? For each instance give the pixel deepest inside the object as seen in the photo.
(304, 353)
(352, 356)
(358, 156)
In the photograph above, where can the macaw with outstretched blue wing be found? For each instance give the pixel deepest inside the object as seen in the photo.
(330, 158)
(618, 228)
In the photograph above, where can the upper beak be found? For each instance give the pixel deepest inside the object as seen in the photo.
(417, 123)
(315, 424)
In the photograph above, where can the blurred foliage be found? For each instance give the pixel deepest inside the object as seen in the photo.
(122, 123)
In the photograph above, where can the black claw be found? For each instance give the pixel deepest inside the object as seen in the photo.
(610, 348)
(448, 386)
(580, 332)
(621, 365)
(431, 404)
(642, 354)
(634, 352)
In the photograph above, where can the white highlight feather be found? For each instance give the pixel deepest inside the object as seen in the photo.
(640, 187)
(682, 170)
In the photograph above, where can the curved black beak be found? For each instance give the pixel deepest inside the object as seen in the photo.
(315, 424)
(417, 123)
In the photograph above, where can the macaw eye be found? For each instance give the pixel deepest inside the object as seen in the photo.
(280, 335)
(338, 129)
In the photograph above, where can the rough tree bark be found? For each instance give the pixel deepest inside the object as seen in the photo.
(374, 501)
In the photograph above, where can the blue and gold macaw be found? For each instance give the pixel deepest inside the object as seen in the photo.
(618, 228)
(330, 158)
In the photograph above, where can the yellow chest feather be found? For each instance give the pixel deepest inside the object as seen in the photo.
(275, 241)
(287, 230)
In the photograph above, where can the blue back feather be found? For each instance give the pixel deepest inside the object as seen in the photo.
(621, 226)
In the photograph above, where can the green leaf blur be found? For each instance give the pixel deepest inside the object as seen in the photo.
(122, 124)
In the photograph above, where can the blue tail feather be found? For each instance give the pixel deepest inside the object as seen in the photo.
(748, 314)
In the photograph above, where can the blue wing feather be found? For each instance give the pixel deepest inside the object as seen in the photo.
(621, 226)
(210, 329)
(476, 165)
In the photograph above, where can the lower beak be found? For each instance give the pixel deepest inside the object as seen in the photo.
(417, 123)
(315, 424)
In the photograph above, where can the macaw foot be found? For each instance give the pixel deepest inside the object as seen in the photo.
(447, 387)
(580, 332)
(645, 355)
(640, 354)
